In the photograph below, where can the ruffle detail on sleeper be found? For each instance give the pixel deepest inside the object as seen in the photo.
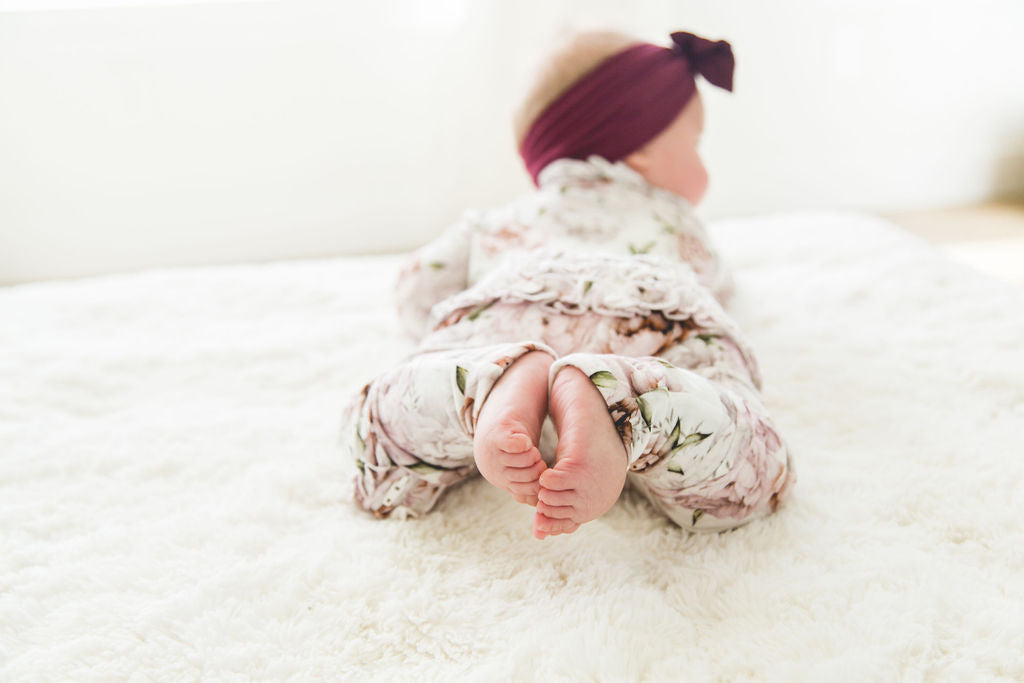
(608, 285)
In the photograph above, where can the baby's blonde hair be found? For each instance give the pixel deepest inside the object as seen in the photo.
(575, 56)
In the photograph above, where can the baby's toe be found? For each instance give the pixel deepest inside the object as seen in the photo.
(556, 511)
(527, 458)
(557, 497)
(523, 489)
(525, 474)
(558, 480)
(555, 526)
(513, 442)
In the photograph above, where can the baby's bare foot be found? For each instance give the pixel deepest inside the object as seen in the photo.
(590, 462)
(508, 429)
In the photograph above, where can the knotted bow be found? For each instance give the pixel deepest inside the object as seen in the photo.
(712, 59)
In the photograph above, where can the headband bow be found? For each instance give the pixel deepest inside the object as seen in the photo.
(711, 59)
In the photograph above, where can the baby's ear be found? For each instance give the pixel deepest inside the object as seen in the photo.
(639, 160)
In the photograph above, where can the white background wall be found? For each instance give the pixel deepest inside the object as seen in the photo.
(135, 134)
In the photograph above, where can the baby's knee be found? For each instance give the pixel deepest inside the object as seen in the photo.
(751, 489)
(405, 459)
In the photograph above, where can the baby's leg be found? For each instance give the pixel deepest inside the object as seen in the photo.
(507, 435)
(700, 446)
(411, 429)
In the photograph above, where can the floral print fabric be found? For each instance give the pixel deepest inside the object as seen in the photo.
(702, 451)
(582, 208)
(411, 429)
(632, 288)
(618, 281)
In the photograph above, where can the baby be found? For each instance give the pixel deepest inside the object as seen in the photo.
(595, 301)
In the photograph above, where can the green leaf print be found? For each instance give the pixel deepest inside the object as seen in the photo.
(646, 403)
(587, 284)
(697, 514)
(706, 338)
(426, 467)
(666, 363)
(645, 409)
(431, 473)
(675, 455)
(478, 310)
(460, 378)
(436, 265)
(633, 249)
(360, 444)
(673, 438)
(666, 227)
(603, 379)
(361, 466)
(692, 439)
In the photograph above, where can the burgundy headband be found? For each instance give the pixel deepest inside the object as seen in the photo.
(625, 101)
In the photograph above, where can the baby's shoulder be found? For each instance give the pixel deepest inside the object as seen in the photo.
(525, 209)
(597, 212)
(509, 222)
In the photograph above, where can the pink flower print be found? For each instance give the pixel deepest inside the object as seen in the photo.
(693, 251)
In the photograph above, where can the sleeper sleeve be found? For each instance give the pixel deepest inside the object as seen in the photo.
(434, 272)
(723, 285)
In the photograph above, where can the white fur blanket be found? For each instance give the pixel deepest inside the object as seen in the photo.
(174, 503)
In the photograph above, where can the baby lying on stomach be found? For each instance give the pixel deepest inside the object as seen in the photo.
(595, 301)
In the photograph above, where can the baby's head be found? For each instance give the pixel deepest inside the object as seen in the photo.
(610, 94)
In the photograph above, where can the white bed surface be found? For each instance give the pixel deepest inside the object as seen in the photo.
(173, 502)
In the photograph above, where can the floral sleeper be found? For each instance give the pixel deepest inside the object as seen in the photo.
(613, 276)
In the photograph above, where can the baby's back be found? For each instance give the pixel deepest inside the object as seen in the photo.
(594, 235)
(592, 208)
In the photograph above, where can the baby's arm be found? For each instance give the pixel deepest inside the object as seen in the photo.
(695, 247)
(724, 285)
(436, 271)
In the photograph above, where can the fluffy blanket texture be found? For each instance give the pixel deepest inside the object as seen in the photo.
(174, 502)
